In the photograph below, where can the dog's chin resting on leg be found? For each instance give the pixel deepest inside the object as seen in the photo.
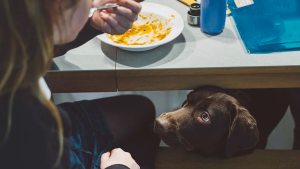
(210, 121)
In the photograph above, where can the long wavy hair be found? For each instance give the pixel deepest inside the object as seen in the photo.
(26, 51)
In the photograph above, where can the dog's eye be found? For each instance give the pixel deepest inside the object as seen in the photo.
(205, 116)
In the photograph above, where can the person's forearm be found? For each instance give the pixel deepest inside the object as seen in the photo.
(87, 33)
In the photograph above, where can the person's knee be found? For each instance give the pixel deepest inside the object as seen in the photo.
(145, 107)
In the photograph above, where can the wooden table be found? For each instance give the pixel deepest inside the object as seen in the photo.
(192, 59)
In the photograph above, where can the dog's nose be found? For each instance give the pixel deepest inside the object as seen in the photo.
(161, 126)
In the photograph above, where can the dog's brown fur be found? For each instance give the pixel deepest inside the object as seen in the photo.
(211, 122)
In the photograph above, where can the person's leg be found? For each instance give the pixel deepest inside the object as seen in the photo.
(80, 139)
(129, 119)
(143, 147)
(267, 106)
(295, 110)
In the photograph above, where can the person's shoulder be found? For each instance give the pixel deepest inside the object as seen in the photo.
(28, 113)
(31, 135)
(26, 105)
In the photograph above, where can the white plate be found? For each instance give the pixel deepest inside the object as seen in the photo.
(157, 9)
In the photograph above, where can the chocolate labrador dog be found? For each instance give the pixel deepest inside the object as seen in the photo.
(210, 121)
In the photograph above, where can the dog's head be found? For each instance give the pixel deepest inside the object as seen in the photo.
(209, 121)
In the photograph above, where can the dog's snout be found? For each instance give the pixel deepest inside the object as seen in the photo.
(161, 126)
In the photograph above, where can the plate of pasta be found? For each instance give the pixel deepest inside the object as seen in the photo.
(156, 25)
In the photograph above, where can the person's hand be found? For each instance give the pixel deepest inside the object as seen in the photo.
(116, 20)
(118, 156)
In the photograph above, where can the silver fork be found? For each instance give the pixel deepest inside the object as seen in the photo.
(106, 6)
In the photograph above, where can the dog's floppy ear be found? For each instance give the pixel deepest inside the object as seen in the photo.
(243, 133)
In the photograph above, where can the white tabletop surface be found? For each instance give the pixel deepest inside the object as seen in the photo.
(192, 49)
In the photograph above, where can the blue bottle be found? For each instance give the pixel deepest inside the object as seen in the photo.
(213, 15)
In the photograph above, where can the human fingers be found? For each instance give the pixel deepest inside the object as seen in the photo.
(123, 23)
(126, 12)
(124, 17)
(102, 2)
(117, 20)
(104, 158)
(118, 24)
(117, 151)
(98, 21)
(124, 158)
(131, 4)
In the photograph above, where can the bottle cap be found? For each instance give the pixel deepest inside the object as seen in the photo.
(195, 6)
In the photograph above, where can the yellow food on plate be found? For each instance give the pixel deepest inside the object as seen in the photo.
(149, 28)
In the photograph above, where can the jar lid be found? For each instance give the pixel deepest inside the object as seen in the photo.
(195, 6)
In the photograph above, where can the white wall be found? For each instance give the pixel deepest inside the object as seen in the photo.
(283, 135)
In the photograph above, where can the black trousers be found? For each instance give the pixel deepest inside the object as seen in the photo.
(115, 122)
(268, 106)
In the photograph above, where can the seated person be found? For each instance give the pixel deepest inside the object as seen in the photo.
(34, 133)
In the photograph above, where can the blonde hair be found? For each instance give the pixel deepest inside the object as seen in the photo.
(27, 32)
